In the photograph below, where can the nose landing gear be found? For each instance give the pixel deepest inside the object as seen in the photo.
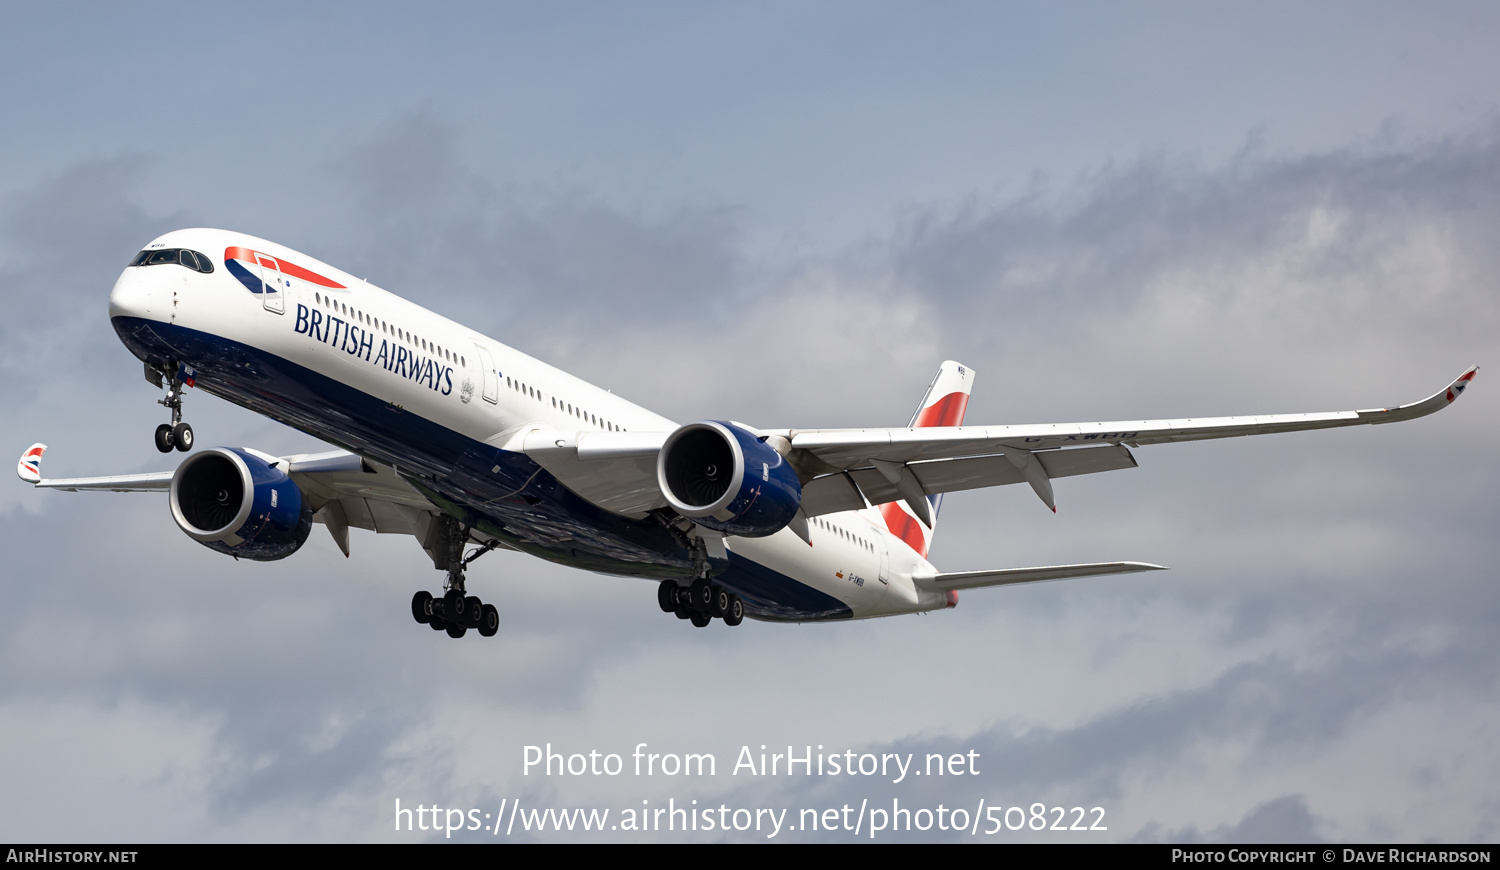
(175, 434)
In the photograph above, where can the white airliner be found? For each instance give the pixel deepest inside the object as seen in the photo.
(469, 445)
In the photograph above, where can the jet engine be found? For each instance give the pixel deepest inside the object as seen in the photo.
(233, 501)
(724, 477)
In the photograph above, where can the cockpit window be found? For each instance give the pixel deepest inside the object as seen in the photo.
(191, 259)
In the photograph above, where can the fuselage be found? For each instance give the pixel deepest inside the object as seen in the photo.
(354, 365)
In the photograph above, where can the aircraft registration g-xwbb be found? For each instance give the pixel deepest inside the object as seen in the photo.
(469, 445)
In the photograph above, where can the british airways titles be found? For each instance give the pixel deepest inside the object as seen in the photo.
(358, 341)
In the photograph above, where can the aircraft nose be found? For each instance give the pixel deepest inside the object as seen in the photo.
(134, 296)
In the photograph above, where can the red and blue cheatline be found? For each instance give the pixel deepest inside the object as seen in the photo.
(251, 267)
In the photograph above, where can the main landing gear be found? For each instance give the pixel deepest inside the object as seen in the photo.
(175, 434)
(701, 602)
(456, 611)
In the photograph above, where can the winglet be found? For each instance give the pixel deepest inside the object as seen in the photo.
(1430, 405)
(1461, 383)
(29, 468)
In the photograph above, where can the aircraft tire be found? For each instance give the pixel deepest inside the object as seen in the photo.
(489, 621)
(456, 631)
(473, 611)
(701, 620)
(164, 438)
(720, 604)
(735, 613)
(666, 596)
(421, 609)
(684, 612)
(702, 595)
(453, 606)
(182, 437)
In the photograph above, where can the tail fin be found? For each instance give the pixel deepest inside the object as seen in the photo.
(944, 404)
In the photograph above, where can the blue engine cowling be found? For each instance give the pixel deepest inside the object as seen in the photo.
(235, 502)
(725, 478)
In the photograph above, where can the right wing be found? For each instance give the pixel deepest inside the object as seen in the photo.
(343, 490)
(30, 470)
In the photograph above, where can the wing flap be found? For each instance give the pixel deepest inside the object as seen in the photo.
(841, 492)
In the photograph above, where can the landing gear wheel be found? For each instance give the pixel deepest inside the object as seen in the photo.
(453, 607)
(473, 611)
(164, 438)
(701, 620)
(437, 623)
(684, 612)
(421, 607)
(734, 614)
(666, 596)
(720, 605)
(182, 437)
(702, 595)
(489, 621)
(457, 630)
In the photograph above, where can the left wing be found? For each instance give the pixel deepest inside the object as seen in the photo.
(844, 469)
(875, 462)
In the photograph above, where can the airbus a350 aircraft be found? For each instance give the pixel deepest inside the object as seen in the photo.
(468, 445)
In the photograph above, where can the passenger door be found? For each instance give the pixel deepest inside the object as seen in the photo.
(273, 282)
(491, 378)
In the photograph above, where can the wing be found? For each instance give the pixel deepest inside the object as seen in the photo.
(844, 469)
(30, 470)
(845, 463)
(343, 490)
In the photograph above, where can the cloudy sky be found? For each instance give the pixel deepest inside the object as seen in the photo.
(789, 214)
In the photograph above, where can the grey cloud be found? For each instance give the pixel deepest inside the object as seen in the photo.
(1283, 820)
(553, 265)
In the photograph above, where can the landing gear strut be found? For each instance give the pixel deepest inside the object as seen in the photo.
(456, 611)
(175, 434)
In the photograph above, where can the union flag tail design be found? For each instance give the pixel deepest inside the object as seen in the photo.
(944, 404)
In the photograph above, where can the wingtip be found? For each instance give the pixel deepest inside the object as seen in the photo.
(29, 468)
(1461, 383)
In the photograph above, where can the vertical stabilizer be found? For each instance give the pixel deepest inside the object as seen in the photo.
(914, 519)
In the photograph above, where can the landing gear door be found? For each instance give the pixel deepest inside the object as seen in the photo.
(274, 284)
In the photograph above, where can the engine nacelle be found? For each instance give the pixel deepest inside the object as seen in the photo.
(233, 501)
(725, 478)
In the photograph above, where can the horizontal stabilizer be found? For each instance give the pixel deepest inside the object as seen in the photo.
(1009, 576)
